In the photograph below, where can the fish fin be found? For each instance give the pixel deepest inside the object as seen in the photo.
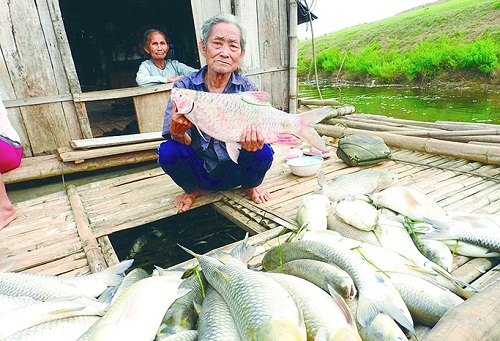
(255, 97)
(321, 179)
(114, 273)
(456, 281)
(233, 149)
(288, 140)
(307, 131)
(339, 301)
(369, 308)
(320, 335)
(243, 251)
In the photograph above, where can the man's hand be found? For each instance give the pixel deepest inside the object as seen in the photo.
(252, 139)
(178, 127)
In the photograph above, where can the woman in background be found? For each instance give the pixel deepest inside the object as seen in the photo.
(158, 69)
(11, 153)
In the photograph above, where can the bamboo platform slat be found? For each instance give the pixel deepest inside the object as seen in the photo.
(58, 234)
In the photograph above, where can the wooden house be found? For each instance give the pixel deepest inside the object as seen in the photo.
(59, 57)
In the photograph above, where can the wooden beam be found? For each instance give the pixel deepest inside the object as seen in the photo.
(68, 154)
(116, 140)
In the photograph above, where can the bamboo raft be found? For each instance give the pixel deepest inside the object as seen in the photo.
(67, 232)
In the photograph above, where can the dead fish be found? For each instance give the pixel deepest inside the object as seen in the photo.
(477, 219)
(336, 224)
(358, 213)
(185, 335)
(321, 274)
(358, 183)
(388, 261)
(138, 312)
(182, 315)
(487, 237)
(437, 252)
(320, 310)
(261, 308)
(411, 203)
(64, 329)
(224, 116)
(426, 301)
(382, 328)
(216, 322)
(28, 316)
(312, 214)
(375, 293)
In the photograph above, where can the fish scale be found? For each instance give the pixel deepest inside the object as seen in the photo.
(376, 294)
(225, 116)
(261, 308)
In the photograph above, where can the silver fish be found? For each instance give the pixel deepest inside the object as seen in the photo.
(322, 275)
(28, 316)
(336, 224)
(358, 213)
(182, 315)
(261, 308)
(411, 203)
(487, 237)
(382, 328)
(216, 321)
(320, 310)
(375, 293)
(426, 301)
(358, 183)
(137, 313)
(389, 261)
(185, 335)
(224, 116)
(313, 213)
(66, 329)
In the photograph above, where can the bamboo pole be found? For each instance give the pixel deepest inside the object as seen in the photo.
(320, 102)
(292, 82)
(89, 241)
(475, 152)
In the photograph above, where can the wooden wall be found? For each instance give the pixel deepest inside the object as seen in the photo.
(267, 55)
(40, 87)
(36, 67)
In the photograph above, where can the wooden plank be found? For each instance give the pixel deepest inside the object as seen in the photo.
(150, 111)
(46, 166)
(109, 141)
(120, 93)
(68, 154)
(237, 218)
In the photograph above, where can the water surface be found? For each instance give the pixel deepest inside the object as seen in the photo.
(414, 103)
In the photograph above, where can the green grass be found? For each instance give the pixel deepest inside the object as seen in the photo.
(449, 37)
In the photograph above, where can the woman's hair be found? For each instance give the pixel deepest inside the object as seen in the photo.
(206, 28)
(151, 31)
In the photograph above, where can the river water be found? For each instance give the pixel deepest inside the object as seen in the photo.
(414, 103)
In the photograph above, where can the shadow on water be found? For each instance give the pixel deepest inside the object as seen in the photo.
(200, 230)
(414, 103)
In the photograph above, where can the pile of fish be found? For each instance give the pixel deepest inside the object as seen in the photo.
(371, 260)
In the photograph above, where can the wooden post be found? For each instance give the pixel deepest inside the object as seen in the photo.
(89, 241)
(292, 86)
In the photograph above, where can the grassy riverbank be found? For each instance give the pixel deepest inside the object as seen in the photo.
(454, 41)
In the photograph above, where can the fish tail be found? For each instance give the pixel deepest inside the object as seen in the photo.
(307, 131)
(369, 308)
(457, 282)
(114, 273)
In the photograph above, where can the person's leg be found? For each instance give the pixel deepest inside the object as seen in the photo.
(185, 168)
(7, 212)
(254, 166)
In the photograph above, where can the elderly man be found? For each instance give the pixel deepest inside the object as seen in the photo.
(197, 163)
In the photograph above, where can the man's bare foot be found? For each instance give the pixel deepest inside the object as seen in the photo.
(184, 201)
(258, 194)
(7, 215)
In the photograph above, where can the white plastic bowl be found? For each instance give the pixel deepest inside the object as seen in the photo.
(305, 165)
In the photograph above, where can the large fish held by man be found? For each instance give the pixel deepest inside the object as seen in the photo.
(224, 116)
